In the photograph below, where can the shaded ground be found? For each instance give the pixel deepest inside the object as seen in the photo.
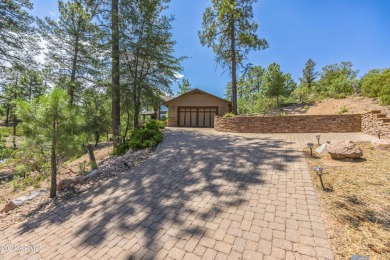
(204, 195)
(358, 208)
(75, 167)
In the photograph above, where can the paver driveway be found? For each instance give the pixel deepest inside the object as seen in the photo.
(203, 195)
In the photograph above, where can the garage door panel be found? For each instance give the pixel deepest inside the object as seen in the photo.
(197, 116)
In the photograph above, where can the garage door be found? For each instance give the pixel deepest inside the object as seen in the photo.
(197, 116)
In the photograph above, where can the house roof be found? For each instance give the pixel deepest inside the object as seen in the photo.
(195, 91)
(166, 98)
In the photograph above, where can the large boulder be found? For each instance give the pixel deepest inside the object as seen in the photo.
(342, 149)
(381, 144)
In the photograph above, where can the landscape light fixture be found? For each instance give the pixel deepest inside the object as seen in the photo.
(310, 145)
(378, 132)
(318, 139)
(319, 171)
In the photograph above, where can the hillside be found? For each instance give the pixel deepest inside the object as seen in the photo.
(355, 104)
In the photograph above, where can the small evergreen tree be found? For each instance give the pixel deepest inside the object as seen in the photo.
(309, 74)
(277, 84)
(52, 125)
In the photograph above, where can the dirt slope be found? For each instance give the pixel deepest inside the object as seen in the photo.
(351, 105)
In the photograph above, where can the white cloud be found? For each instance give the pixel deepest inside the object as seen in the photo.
(54, 14)
(178, 75)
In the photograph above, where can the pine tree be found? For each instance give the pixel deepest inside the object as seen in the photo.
(18, 42)
(72, 49)
(184, 87)
(149, 66)
(50, 125)
(277, 84)
(228, 28)
(309, 74)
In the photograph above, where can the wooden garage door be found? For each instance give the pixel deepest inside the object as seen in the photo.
(196, 116)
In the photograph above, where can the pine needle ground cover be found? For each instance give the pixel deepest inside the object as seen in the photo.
(356, 204)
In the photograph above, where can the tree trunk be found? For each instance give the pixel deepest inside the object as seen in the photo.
(127, 125)
(14, 132)
(97, 138)
(234, 68)
(53, 163)
(115, 71)
(72, 86)
(91, 157)
(7, 115)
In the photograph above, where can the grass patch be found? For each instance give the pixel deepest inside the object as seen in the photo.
(357, 209)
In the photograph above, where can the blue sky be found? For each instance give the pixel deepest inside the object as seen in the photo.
(328, 31)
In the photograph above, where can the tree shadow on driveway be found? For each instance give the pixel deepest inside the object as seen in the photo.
(195, 182)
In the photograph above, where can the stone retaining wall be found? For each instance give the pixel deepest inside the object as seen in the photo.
(375, 120)
(290, 124)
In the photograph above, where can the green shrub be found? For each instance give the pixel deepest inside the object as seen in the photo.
(343, 110)
(141, 138)
(227, 115)
(121, 148)
(155, 125)
(144, 138)
(385, 99)
(15, 183)
(6, 153)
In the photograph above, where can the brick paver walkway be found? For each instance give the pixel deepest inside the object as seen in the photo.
(205, 195)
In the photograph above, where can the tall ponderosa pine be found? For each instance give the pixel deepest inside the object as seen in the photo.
(148, 64)
(115, 71)
(50, 126)
(72, 50)
(309, 74)
(108, 18)
(228, 28)
(18, 43)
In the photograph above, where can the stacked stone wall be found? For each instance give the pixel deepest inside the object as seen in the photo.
(290, 124)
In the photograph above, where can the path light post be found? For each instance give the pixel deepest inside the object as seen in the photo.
(319, 170)
(378, 133)
(310, 145)
(318, 139)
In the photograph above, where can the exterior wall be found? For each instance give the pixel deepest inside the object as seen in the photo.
(195, 100)
(290, 124)
(373, 121)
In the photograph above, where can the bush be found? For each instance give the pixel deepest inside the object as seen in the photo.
(6, 153)
(141, 138)
(343, 110)
(145, 138)
(227, 115)
(155, 125)
(385, 99)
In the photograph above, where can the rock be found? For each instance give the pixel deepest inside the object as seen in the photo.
(321, 149)
(342, 149)
(21, 200)
(381, 144)
(92, 173)
(8, 207)
(80, 179)
(65, 184)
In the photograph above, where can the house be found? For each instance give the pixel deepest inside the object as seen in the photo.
(196, 108)
(160, 111)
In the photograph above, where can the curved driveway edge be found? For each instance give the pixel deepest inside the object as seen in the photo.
(204, 195)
